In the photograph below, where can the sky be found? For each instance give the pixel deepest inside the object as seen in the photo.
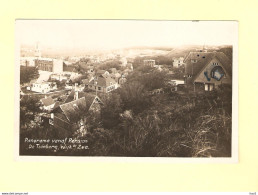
(114, 34)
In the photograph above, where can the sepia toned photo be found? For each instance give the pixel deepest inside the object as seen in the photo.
(126, 88)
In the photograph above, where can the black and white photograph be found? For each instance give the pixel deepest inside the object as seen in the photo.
(126, 88)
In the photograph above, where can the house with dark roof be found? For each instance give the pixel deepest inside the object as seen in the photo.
(48, 103)
(104, 73)
(112, 71)
(70, 116)
(115, 76)
(103, 84)
(207, 70)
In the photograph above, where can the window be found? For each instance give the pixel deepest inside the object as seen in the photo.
(99, 88)
(208, 87)
(193, 60)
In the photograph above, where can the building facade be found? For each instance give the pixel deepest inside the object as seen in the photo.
(208, 70)
(50, 65)
(43, 87)
(149, 63)
(177, 62)
(103, 84)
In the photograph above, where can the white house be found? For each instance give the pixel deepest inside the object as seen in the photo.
(43, 87)
(58, 77)
(177, 62)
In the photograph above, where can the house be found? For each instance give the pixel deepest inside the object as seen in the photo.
(115, 76)
(122, 80)
(85, 82)
(158, 67)
(130, 66)
(48, 103)
(43, 87)
(175, 83)
(150, 63)
(103, 84)
(69, 85)
(70, 116)
(177, 62)
(49, 64)
(207, 70)
(112, 70)
(59, 77)
(90, 69)
(93, 102)
(102, 72)
(27, 61)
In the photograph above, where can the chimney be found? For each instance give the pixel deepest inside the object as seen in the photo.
(76, 95)
(76, 87)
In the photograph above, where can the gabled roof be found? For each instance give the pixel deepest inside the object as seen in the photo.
(57, 104)
(89, 98)
(202, 59)
(47, 101)
(74, 109)
(103, 81)
(100, 72)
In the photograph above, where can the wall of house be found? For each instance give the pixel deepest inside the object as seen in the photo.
(57, 66)
(111, 88)
(103, 89)
(205, 75)
(44, 65)
(40, 88)
(93, 87)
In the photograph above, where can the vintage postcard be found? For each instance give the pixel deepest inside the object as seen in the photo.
(127, 90)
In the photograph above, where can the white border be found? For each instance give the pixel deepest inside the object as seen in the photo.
(235, 124)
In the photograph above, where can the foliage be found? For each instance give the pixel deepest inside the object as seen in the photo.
(29, 107)
(110, 64)
(178, 73)
(134, 97)
(163, 60)
(28, 73)
(133, 122)
(111, 109)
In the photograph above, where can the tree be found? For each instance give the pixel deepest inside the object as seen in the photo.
(111, 110)
(148, 77)
(29, 107)
(28, 73)
(111, 64)
(178, 73)
(133, 97)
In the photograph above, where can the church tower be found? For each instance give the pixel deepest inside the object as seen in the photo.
(37, 51)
